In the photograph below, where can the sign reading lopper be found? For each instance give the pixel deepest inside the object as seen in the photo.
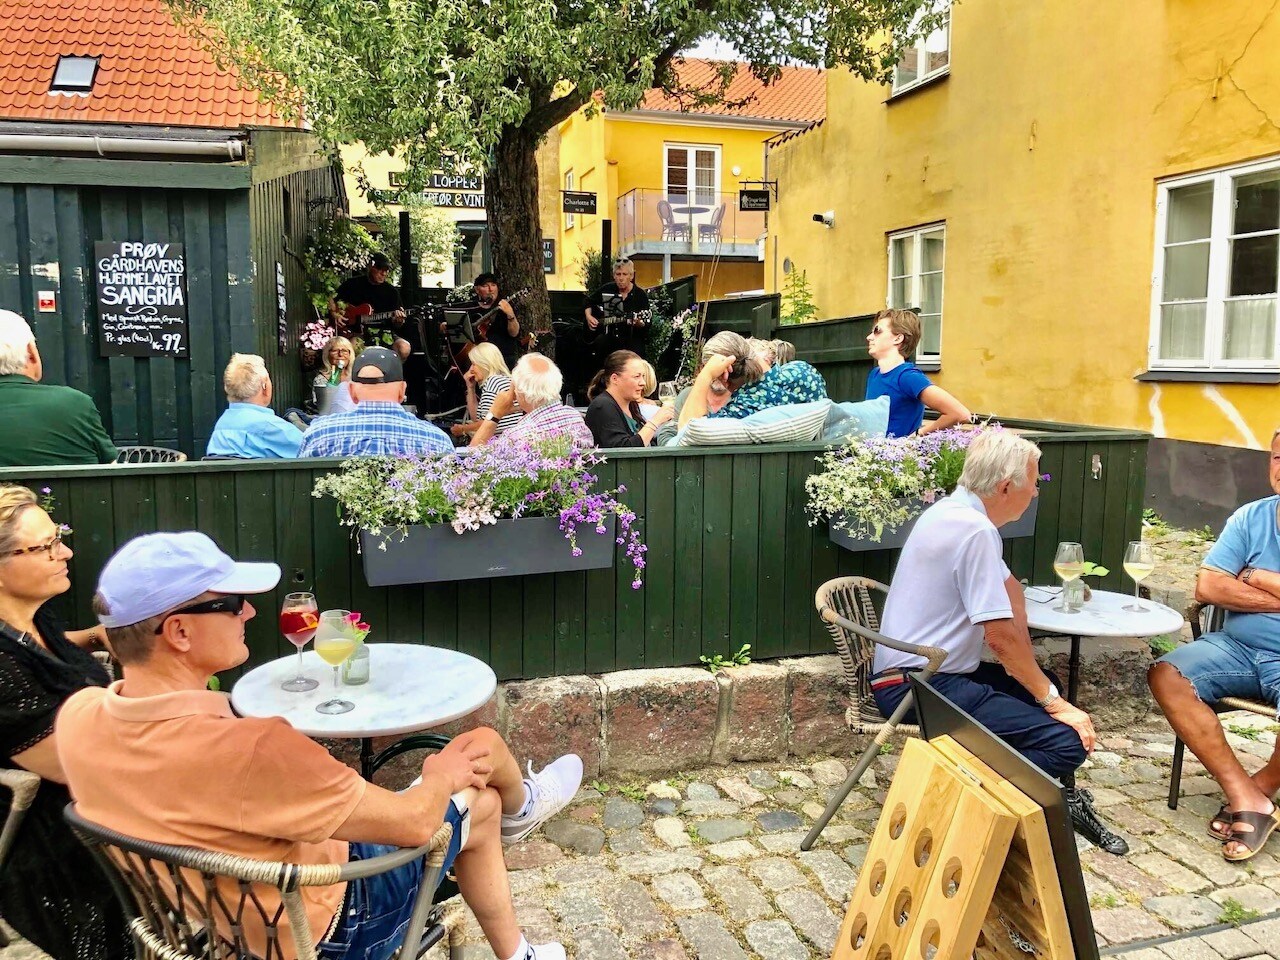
(142, 299)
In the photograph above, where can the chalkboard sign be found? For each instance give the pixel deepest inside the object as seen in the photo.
(142, 299)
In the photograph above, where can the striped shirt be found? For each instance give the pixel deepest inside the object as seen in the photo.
(551, 421)
(493, 385)
(375, 428)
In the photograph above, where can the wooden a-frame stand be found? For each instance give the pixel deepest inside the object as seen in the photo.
(960, 866)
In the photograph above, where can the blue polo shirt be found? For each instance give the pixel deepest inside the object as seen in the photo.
(1251, 538)
(903, 386)
(255, 433)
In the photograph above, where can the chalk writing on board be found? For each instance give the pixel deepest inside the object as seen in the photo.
(142, 299)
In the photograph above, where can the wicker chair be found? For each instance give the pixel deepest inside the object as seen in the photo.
(672, 229)
(23, 784)
(149, 455)
(174, 902)
(846, 607)
(1206, 618)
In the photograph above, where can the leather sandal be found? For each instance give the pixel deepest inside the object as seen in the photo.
(1262, 823)
(1222, 816)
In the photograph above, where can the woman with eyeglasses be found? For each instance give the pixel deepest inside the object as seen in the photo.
(51, 889)
(892, 339)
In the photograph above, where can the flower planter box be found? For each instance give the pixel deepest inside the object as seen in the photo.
(508, 548)
(1024, 526)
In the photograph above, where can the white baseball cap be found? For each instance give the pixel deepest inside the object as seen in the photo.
(161, 571)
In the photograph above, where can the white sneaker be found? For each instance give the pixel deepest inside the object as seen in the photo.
(547, 951)
(552, 788)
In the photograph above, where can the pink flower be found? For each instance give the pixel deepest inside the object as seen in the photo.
(353, 617)
(363, 627)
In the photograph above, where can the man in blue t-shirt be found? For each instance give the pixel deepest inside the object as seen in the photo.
(894, 337)
(1241, 575)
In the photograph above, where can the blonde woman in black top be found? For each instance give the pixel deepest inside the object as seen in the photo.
(614, 416)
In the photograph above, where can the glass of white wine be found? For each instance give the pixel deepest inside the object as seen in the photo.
(1068, 563)
(335, 643)
(1139, 561)
(667, 392)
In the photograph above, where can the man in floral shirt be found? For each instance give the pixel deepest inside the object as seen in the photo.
(536, 383)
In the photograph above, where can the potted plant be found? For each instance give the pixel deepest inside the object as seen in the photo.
(498, 511)
(872, 489)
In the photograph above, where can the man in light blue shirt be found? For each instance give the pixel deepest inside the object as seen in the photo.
(249, 428)
(1240, 575)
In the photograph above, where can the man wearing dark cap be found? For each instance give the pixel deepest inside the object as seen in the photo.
(379, 425)
(370, 294)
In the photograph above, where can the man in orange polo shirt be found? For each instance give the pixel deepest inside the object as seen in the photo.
(158, 756)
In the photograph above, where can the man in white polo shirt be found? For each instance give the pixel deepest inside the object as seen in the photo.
(952, 590)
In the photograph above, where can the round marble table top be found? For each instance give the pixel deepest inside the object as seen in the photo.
(1101, 616)
(411, 687)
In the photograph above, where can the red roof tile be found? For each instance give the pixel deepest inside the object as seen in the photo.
(151, 71)
(800, 94)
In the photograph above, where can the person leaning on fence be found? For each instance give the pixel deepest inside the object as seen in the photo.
(892, 339)
(951, 589)
(536, 383)
(249, 428)
(1241, 575)
(489, 375)
(379, 426)
(159, 757)
(43, 424)
(754, 385)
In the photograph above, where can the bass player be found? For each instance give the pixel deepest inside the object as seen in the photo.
(619, 311)
(372, 310)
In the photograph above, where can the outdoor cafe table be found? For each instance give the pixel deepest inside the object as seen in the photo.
(411, 687)
(1101, 616)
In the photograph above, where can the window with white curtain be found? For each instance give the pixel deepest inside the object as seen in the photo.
(1217, 263)
(916, 259)
(692, 174)
(928, 56)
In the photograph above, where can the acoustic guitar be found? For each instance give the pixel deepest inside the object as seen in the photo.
(481, 326)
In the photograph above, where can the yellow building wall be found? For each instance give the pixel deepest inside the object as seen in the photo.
(1041, 153)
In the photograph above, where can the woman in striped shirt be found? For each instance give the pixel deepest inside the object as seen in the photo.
(488, 376)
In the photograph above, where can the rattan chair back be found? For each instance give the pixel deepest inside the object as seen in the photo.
(149, 455)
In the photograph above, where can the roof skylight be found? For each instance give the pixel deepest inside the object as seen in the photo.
(74, 74)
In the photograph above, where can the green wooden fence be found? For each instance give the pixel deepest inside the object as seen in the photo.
(732, 559)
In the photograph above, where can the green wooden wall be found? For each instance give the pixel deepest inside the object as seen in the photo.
(732, 559)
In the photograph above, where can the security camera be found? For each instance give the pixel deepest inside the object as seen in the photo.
(827, 219)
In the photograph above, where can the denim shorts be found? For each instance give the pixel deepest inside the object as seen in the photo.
(377, 909)
(1218, 666)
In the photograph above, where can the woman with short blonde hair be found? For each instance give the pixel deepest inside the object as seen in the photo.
(487, 377)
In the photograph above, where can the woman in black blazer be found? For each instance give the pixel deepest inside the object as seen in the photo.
(614, 416)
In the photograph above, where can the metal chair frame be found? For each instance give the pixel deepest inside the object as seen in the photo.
(711, 230)
(145, 454)
(672, 229)
(846, 607)
(177, 910)
(1206, 618)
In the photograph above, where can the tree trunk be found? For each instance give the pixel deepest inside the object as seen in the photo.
(515, 229)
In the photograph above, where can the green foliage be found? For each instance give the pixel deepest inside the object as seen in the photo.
(697, 839)
(1092, 569)
(633, 792)
(1105, 900)
(214, 684)
(720, 662)
(797, 299)
(1165, 643)
(1248, 733)
(599, 786)
(433, 237)
(886, 749)
(1236, 913)
(339, 248)
(592, 270)
(1153, 521)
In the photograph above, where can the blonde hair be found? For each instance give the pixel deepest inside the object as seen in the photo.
(905, 324)
(488, 360)
(650, 379)
(326, 368)
(244, 377)
(726, 343)
(784, 351)
(14, 501)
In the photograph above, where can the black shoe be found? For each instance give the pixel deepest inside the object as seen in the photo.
(1086, 823)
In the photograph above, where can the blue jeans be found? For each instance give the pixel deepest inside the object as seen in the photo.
(376, 910)
(1218, 666)
(1004, 707)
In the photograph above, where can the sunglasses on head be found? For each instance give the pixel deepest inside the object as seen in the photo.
(231, 603)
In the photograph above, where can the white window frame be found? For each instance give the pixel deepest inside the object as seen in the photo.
(691, 166)
(922, 56)
(569, 219)
(1220, 232)
(916, 298)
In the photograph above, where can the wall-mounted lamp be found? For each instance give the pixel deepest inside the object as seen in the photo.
(736, 170)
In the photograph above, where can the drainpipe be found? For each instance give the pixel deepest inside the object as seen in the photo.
(226, 149)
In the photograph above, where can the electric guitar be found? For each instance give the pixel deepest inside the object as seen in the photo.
(608, 324)
(361, 316)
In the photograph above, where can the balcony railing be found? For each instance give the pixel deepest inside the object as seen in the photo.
(700, 223)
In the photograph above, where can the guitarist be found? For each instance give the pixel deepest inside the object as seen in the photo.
(370, 289)
(624, 316)
(503, 328)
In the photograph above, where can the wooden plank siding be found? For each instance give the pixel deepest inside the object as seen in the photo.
(732, 558)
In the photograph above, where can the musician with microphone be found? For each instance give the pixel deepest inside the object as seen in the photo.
(618, 313)
(502, 329)
(372, 310)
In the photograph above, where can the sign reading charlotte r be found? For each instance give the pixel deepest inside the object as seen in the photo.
(142, 299)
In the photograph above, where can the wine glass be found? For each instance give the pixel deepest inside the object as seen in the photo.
(298, 623)
(667, 392)
(335, 643)
(1139, 561)
(1068, 563)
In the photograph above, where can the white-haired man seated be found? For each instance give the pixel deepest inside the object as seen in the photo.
(952, 590)
(158, 756)
(535, 385)
(249, 428)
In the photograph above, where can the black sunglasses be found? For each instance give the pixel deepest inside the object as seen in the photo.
(227, 603)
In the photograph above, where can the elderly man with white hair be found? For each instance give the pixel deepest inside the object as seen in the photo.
(249, 428)
(952, 590)
(535, 385)
(43, 424)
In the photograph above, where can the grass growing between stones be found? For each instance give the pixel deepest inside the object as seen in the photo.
(1236, 913)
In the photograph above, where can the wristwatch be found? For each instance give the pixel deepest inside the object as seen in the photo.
(1049, 697)
(494, 420)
